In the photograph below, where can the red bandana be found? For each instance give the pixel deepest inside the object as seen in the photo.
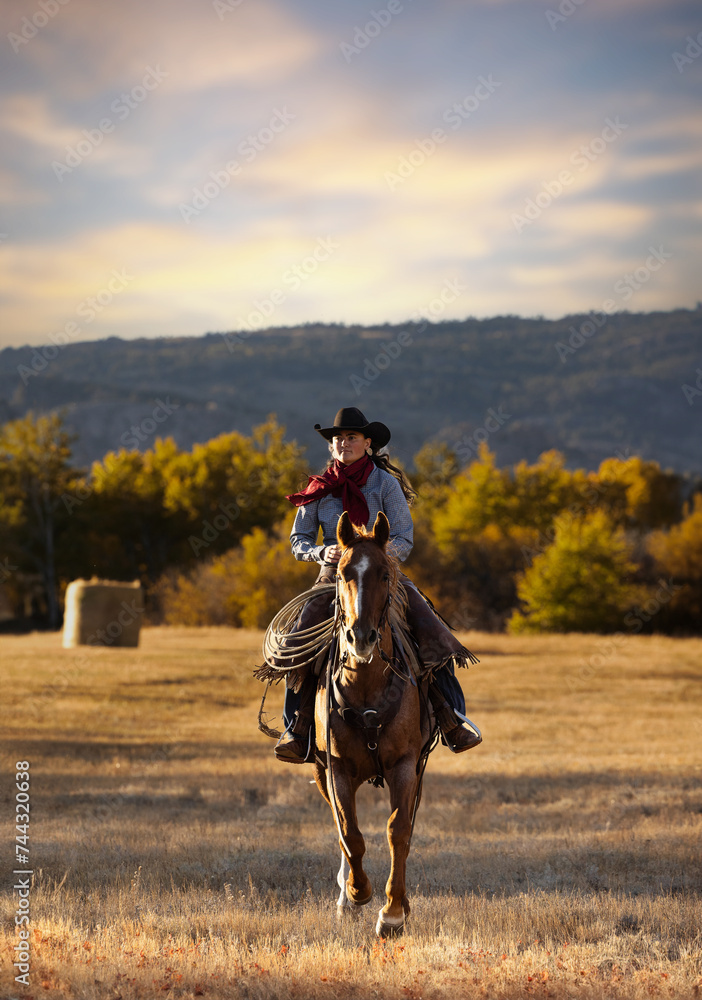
(343, 481)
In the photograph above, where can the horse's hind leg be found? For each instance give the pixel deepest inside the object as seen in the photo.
(403, 784)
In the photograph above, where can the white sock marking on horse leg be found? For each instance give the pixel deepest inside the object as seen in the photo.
(386, 921)
(341, 877)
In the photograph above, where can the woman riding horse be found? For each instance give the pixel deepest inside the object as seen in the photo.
(360, 480)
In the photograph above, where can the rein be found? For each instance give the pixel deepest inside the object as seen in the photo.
(331, 787)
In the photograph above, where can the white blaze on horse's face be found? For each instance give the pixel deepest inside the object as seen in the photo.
(363, 565)
(360, 606)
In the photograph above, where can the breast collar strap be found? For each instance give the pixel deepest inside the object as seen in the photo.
(370, 720)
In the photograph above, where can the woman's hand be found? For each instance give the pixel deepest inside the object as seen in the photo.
(331, 554)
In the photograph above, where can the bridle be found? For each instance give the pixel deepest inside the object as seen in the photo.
(390, 661)
(370, 720)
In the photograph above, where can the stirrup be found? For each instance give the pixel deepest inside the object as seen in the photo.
(289, 739)
(466, 720)
(460, 739)
(453, 723)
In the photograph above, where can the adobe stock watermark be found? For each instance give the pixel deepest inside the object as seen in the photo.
(141, 432)
(581, 158)
(224, 7)
(580, 335)
(88, 309)
(630, 283)
(591, 493)
(693, 50)
(455, 116)
(364, 34)
(107, 802)
(229, 511)
(82, 664)
(248, 149)
(690, 392)
(635, 621)
(50, 692)
(463, 617)
(566, 9)
(31, 26)
(136, 435)
(122, 107)
(451, 289)
(625, 287)
(128, 614)
(293, 278)
(390, 351)
(469, 445)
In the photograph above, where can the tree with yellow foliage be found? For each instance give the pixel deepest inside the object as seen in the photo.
(35, 472)
(579, 582)
(490, 523)
(529, 496)
(244, 587)
(678, 554)
(477, 497)
(635, 493)
(144, 512)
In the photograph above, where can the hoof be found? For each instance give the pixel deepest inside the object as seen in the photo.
(389, 926)
(347, 911)
(355, 903)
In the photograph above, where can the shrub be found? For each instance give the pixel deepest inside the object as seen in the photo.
(579, 582)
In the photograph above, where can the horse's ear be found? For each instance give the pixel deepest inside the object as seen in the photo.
(381, 529)
(344, 531)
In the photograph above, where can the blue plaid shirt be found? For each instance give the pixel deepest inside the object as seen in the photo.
(382, 492)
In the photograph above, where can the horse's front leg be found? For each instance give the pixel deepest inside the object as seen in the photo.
(343, 904)
(355, 886)
(341, 877)
(402, 782)
(358, 887)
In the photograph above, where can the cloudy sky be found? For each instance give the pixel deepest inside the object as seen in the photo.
(183, 166)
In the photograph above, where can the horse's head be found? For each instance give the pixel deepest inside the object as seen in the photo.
(364, 581)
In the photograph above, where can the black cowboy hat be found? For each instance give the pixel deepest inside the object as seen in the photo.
(349, 418)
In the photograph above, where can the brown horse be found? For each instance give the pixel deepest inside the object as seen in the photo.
(377, 728)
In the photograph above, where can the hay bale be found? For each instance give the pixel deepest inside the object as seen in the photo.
(102, 613)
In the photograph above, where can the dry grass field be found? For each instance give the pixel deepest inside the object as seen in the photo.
(174, 857)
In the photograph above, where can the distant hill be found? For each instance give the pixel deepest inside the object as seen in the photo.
(525, 385)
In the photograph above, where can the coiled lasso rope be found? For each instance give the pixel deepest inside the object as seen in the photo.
(279, 654)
